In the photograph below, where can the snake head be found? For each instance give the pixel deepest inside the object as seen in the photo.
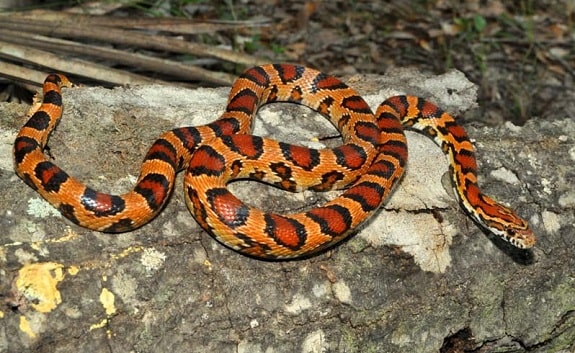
(503, 222)
(522, 238)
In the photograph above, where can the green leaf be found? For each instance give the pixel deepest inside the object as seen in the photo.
(479, 23)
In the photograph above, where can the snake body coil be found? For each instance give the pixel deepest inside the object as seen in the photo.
(369, 164)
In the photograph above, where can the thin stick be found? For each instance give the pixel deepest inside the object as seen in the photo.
(174, 25)
(74, 66)
(131, 38)
(23, 74)
(176, 69)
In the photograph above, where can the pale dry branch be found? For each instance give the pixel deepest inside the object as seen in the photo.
(179, 70)
(74, 66)
(127, 37)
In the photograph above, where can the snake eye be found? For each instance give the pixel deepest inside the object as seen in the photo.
(512, 236)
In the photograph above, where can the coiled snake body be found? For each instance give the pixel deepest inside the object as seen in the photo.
(369, 163)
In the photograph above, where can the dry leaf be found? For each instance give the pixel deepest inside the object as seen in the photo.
(450, 28)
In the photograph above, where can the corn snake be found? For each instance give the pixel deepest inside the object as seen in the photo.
(369, 163)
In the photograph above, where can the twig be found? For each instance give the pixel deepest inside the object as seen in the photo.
(176, 69)
(23, 74)
(125, 37)
(174, 25)
(74, 66)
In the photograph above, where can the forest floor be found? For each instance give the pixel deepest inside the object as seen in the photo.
(520, 53)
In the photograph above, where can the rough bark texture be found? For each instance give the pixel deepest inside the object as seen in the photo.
(419, 277)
